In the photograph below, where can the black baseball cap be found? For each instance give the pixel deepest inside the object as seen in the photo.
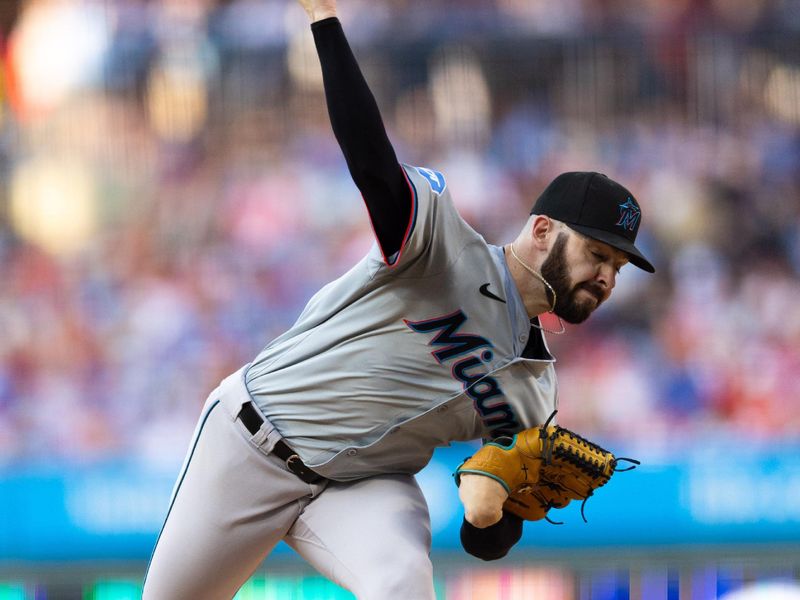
(598, 207)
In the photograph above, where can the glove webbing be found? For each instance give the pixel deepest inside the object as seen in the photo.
(552, 444)
(584, 459)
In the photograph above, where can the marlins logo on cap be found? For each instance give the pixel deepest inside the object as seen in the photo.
(629, 215)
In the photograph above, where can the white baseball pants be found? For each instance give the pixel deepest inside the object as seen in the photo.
(234, 501)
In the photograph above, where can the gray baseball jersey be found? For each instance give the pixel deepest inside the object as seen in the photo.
(391, 360)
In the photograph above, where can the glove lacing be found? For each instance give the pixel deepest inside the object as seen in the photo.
(548, 443)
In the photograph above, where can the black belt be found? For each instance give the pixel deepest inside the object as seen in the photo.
(252, 420)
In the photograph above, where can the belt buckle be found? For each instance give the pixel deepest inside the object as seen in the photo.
(298, 467)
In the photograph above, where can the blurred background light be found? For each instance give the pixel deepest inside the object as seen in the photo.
(301, 58)
(56, 49)
(10, 591)
(460, 94)
(53, 204)
(770, 590)
(782, 93)
(176, 100)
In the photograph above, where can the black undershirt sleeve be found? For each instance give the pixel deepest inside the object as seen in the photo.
(359, 129)
(492, 542)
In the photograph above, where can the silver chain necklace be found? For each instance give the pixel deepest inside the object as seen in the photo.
(550, 289)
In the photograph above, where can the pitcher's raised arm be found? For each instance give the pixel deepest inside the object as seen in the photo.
(359, 129)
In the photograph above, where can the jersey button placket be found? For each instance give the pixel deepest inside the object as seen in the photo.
(352, 452)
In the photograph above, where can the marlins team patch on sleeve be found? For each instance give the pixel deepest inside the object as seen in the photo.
(435, 179)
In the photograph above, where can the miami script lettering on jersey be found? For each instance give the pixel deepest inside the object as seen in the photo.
(469, 367)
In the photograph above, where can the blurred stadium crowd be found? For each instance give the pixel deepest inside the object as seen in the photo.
(172, 194)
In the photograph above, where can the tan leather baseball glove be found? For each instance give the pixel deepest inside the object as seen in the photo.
(544, 467)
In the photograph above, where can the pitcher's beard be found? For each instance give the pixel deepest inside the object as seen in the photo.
(555, 271)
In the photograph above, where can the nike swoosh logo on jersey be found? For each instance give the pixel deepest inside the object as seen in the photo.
(485, 291)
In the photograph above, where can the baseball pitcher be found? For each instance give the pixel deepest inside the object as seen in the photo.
(432, 337)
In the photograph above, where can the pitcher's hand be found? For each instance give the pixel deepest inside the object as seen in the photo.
(318, 9)
(483, 499)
